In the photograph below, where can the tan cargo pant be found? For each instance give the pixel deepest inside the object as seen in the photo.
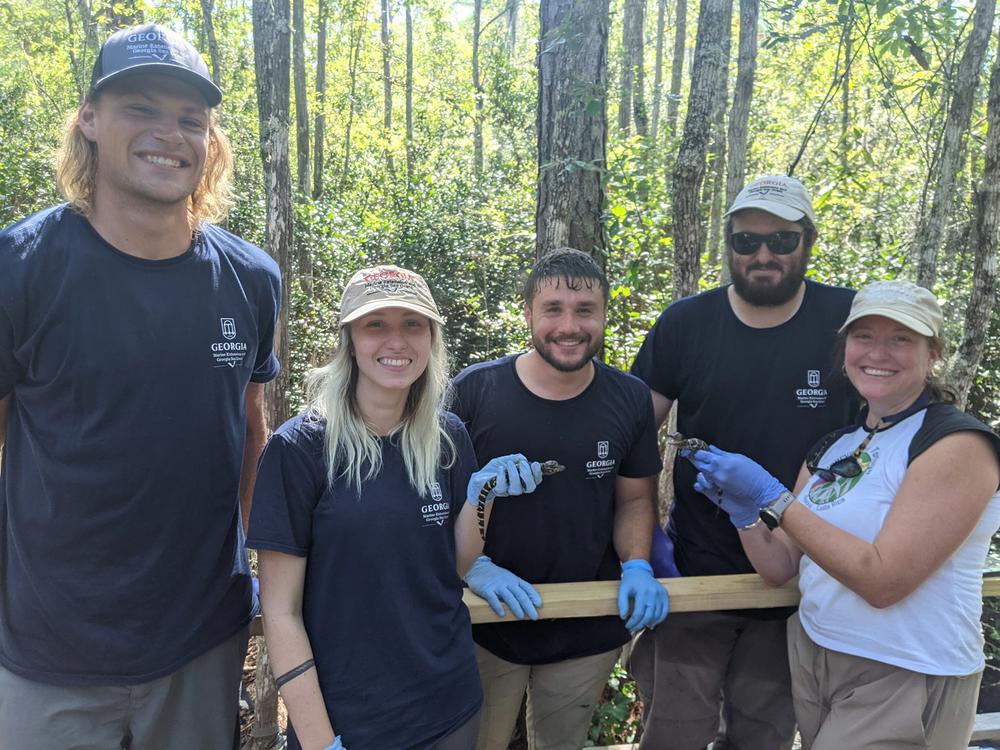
(561, 699)
(843, 701)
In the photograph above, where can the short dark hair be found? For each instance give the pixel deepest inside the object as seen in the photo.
(808, 232)
(577, 269)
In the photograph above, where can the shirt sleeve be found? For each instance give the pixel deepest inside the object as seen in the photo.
(643, 457)
(465, 464)
(266, 366)
(290, 482)
(654, 364)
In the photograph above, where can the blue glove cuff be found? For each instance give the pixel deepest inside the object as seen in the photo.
(638, 564)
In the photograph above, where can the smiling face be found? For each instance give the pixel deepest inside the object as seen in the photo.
(567, 325)
(392, 347)
(151, 134)
(887, 363)
(765, 278)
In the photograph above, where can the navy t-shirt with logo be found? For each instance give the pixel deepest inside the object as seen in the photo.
(767, 393)
(121, 550)
(382, 602)
(563, 530)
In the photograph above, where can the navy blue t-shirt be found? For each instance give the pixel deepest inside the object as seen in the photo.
(767, 393)
(382, 602)
(121, 552)
(563, 530)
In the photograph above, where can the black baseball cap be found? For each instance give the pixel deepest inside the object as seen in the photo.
(151, 48)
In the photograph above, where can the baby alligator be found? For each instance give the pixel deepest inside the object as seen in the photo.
(548, 468)
(682, 443)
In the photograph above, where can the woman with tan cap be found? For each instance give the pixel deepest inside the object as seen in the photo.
(888, 535)
(365, 520)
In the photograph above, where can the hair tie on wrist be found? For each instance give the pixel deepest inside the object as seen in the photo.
(291, 674)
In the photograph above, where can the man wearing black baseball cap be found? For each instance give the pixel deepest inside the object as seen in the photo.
(749, 367)
(135, 338)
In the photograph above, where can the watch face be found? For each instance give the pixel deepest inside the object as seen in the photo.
(770, 518)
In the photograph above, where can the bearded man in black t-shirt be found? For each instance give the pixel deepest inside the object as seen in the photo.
(749, 367)
(591, 522)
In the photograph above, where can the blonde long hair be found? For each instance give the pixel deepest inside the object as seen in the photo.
(352, 449)
(76, 172)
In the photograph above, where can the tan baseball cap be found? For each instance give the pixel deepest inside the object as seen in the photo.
(782, 196)
(902, 301)
(374, 288)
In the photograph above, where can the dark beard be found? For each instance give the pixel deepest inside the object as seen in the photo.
(543, 352)
(765, 295)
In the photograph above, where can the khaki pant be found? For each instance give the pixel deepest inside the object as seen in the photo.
(195, 708)
(561, 699)
(844, 701)
(692, 661)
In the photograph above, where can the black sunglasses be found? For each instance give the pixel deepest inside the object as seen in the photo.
(779, 243)
(847, 467)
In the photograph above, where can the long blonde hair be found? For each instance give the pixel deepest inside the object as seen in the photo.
(352, 449)
(76, 172)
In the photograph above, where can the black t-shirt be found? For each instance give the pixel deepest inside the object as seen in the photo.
(382, 602)
(562, 531)
(121, 547)
(767, 393)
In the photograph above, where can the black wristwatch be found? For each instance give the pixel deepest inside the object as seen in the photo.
(771, 515)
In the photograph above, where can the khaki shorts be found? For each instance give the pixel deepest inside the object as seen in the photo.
(843, 701)
(195, 708)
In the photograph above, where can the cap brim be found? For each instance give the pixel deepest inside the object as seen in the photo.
(892, 314)
(211, 92)
(384, 303)
(778, 209)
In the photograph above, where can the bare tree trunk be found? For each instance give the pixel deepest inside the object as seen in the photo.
(633, 22)
(985, 224)
(512, 9)
(677, 66)
(661, 12)
(79, 73)
(739, 115)
(845, 91)
(118, 15)
(301, 97)
(90, 42)
(320, 129)
(689, 168)
(213, 42)
(271, 64)
(477, 92)
(386, 84)
(930, 228)
(571, 124)
(717, 149)
(357, 34)
(409, 94)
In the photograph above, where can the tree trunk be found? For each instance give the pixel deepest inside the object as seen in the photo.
(357, 34)
(985, 224)
(386, 84)
(630, 95)
(119, 15)
(845, 91)
(301, 97)
(512, 9)
(571, 124)
(677, 66)
(477, 92)
(213, 41)
(739, 115)
(271, 63)
(661, 13)
(689, 169)
(80, 78)
(717, 149)
(930, 228)
(90, 42)
(409, 94)
(320, 129)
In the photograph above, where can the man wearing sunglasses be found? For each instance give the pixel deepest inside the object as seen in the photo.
(748, 364)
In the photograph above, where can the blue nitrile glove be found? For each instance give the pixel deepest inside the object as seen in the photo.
(515, 475)
(498, 586)
(742, 512)
(661, 555)
(336, 744)
(738, 476)
(650, 601)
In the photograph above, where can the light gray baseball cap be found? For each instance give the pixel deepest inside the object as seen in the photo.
(782, 196)
(902, 301)
(371, 289)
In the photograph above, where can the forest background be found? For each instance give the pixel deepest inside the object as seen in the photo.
(412, 132)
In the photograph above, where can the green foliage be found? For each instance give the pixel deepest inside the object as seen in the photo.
(619, 716)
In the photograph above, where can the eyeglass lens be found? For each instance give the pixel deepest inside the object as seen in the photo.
(779, 243)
